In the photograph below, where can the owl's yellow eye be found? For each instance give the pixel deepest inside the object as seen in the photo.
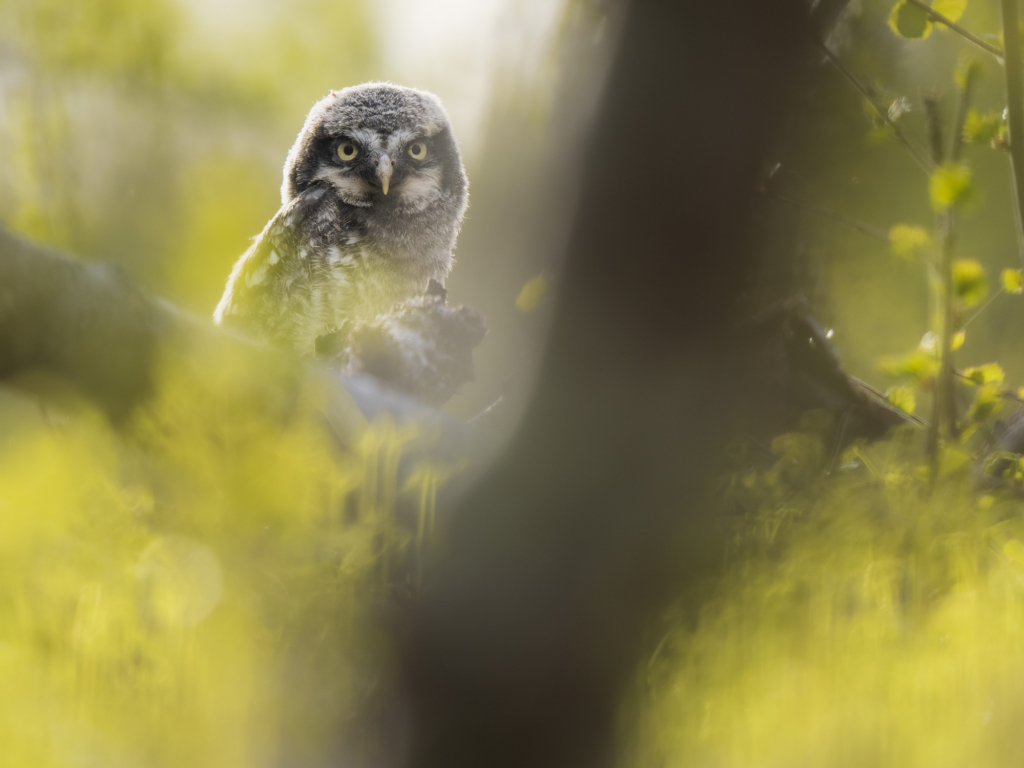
(417, 150)
(347, 150)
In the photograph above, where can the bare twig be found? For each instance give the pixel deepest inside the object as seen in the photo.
(952, 25)
(1015, 111)
(828, 213)
(981, 309)
(880, 108)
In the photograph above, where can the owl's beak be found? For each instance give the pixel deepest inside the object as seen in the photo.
(384, 172)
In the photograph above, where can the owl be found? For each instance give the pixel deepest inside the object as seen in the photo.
(373, 197)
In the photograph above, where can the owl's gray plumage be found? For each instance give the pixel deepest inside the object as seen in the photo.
(354, 235)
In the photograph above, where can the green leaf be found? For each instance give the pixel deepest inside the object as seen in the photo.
(1012, 280)
(930, 341)
(951, 9)
(533, 293)
(982, 375)
(909, 21)
(903, 398)
(981, 129)
(954, 459)
(967, 68)
(801, 450)
(907, 241)
(919, 367)
(950, 185)
(970, 284)
(987, 403)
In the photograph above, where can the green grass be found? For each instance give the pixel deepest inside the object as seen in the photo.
(862, 622)
(194, 588)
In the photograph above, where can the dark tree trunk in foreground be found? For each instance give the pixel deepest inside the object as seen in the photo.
(519, 654)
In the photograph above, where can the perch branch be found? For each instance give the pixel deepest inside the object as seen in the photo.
(90, 325)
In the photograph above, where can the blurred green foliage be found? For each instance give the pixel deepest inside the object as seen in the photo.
(908, 241)
(950, 186)
(844, 159)
(152, 132)
(861, 622)
(970, 284)
(1012, 280)
(983, 129)
(872, 610)
(196, 588)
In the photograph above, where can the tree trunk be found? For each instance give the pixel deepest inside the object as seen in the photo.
(595, 513)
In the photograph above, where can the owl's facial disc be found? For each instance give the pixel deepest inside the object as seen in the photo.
(420, 188)
(351, 187)
(398, 169)
(416, 168)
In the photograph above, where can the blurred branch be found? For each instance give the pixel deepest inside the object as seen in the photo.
(828, 213)
(982, 308)
(952, 25)
(86, 322)
(1006, 394)
(89, 324)
(880, 108)
(1015, 111)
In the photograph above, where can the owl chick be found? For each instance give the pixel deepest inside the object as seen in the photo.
(373, 197)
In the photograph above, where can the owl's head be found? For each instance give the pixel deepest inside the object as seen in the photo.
(380, 146)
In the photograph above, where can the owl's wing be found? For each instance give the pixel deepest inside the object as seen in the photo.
(258, 272)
